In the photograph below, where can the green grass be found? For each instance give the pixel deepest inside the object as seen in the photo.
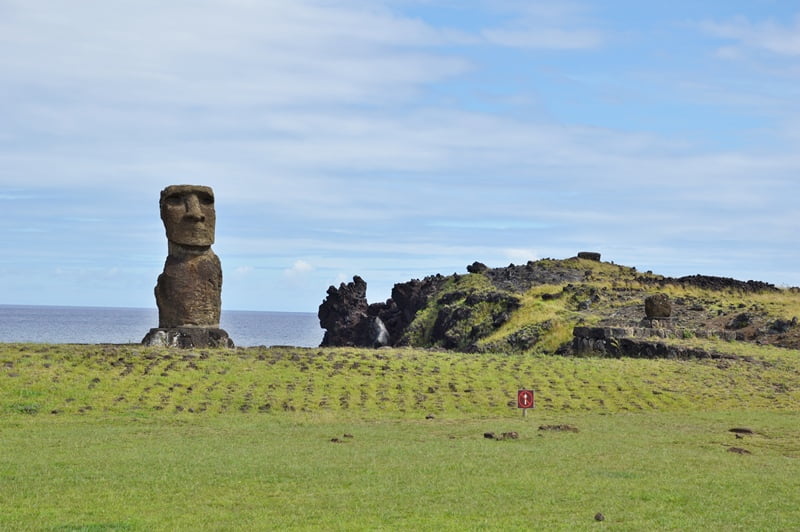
(397, 383)
(135, 438)
(642, 471)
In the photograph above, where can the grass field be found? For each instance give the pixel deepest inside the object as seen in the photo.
(133, 438)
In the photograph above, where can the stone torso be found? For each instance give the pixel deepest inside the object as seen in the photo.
(188, 291)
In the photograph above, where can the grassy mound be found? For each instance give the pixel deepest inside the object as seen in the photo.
(533, 308)
(131, 379)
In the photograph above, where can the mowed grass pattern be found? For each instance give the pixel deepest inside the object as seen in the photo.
(132, 438)
(58, 380)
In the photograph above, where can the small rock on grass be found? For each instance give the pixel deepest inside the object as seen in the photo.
(738, 450)
(599, 517)
(512, 435)
(561, 428)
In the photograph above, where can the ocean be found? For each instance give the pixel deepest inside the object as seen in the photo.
(99, 325)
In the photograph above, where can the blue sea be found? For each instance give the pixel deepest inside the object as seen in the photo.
(98, 325)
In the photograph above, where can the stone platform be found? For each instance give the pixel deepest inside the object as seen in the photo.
(188, 337)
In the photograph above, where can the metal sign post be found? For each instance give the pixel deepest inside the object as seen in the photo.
(525, 400)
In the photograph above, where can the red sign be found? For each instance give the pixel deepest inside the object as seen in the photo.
(525, 399)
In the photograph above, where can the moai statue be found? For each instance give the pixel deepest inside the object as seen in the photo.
(188, 291)
(658, 311)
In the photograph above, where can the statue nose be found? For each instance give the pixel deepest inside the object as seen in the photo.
(193, 211)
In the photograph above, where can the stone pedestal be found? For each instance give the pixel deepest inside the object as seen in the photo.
(658, 323)
(187, 337)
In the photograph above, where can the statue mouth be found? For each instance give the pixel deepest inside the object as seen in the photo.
(193, 234)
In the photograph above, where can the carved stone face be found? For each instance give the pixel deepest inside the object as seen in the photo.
(188, 214)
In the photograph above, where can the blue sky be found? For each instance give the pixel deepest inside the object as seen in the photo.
(393, 140)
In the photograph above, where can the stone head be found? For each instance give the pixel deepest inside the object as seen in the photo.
(188, 214)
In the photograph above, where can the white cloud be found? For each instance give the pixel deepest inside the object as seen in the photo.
(298, 269)
(219, 53)
(770, 36)
(544, 26)
(241, 272)
(544, 38)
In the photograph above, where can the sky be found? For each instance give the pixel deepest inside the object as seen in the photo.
(394, 139)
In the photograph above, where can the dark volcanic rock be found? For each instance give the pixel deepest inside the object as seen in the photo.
(343, 314)
(350, 321)
(782, 326)
(740, 321)
(521, 278)
(657, 306)
(477, 267)
(589, 255)
(466, 317)
(559, 428)
(709, 282)
(407, 299)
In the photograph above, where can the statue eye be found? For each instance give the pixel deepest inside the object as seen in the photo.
(174, 200)
(206, 199)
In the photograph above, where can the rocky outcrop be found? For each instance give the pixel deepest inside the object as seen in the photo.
(407, 299)
(465, 317)
(343, 314)
(478, 311)
(589, 255)
(636, 342)
(477, 267)
(520, 278)
(709, 282)
(349, 320)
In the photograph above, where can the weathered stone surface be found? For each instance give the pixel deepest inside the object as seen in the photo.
(407, 299)
(589, 255)
(709, 282)
(465, 317)
(627, 342)
(188, 292)
(343, 314)
(520, 278)
(187, 337)
(657, 306)
(477, 267)
(350, 321)
(740, 321)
